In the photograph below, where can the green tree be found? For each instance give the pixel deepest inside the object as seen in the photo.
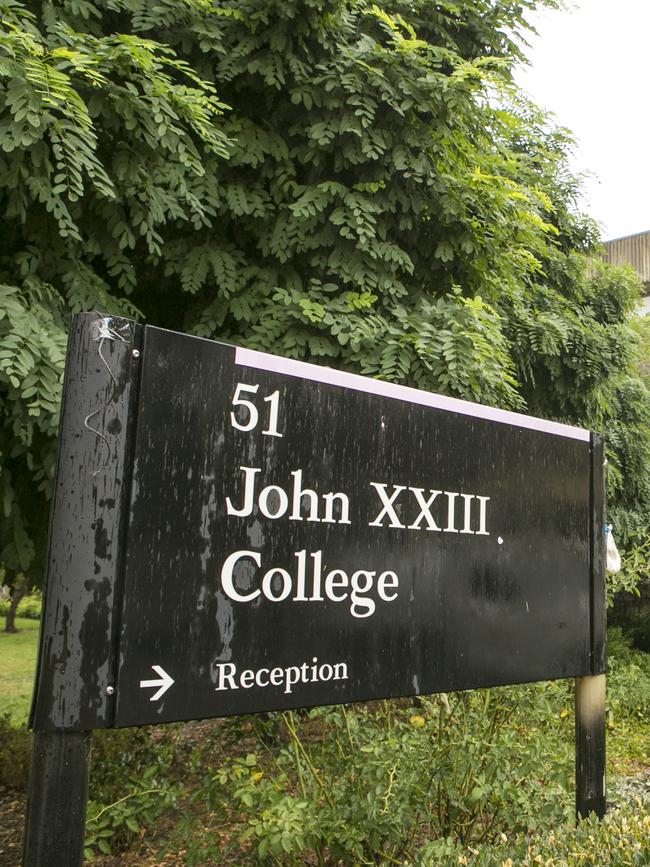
(103, 139)
(369, 189)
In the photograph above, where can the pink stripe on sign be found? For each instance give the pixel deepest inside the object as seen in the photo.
(303, 370)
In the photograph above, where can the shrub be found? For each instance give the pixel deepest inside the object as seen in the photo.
(15, 752)
(482, 777)
(364, 784)
(134, 778)
(112, 827)
(622, 838)
(119, 755)
(628, 687)
(29, 606)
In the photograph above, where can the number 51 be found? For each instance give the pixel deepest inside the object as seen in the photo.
(253, 414)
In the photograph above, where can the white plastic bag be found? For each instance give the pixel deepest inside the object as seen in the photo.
(613, 564)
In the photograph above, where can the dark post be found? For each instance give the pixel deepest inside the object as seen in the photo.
(590, 691)
(74, 690)
(590, 746)
(58, 793)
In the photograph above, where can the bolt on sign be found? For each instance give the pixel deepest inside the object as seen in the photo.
(236, 532)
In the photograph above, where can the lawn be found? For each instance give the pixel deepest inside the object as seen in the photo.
(17, 664)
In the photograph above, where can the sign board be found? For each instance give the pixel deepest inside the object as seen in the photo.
(260, 533)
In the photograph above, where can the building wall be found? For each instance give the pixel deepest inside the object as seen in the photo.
(632, 250)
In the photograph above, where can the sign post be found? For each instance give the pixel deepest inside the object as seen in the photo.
(235, 532)
(72, 693)
(590, 690)
(57, 799)
(590, 746)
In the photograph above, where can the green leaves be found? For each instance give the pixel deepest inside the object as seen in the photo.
(352, 182)
(32, 349)
(377, 784)
(104, 141)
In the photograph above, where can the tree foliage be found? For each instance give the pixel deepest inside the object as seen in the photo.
(344, 181)
(104, 139)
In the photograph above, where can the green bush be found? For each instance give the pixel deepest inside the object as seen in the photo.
(622, 839)
(112, 827)
(628, 682)
(484, 776)
(134, 777)
(479, 778)
(364, 784)
(29, 606)
(15, 752)
(119, 755)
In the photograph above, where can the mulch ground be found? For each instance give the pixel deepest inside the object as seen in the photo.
(12, 824)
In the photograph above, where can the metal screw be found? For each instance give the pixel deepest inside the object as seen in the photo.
(110, 690)
(136, 353)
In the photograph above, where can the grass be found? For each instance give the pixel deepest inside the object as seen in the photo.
(18, 655)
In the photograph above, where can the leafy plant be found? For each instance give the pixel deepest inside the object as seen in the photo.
(364, 784)
(628, 680)
(104, 138)
(368, 189)
(133, 780)
(467, 778)
(29, 606)
(112, 827)
(622, 838)
(119, 754)
(15, 752)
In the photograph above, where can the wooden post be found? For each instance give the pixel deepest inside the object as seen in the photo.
(74, 691)
(590, 746)
(56, 806)
(590, 691)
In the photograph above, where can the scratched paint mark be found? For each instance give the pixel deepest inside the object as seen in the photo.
(103, 330)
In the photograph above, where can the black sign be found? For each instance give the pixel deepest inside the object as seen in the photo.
(280, 534)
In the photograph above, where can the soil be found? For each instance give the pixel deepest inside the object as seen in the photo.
(12, 823)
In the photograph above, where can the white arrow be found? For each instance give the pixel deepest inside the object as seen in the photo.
(164, 683)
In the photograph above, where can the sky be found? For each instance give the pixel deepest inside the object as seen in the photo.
(590, 66)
